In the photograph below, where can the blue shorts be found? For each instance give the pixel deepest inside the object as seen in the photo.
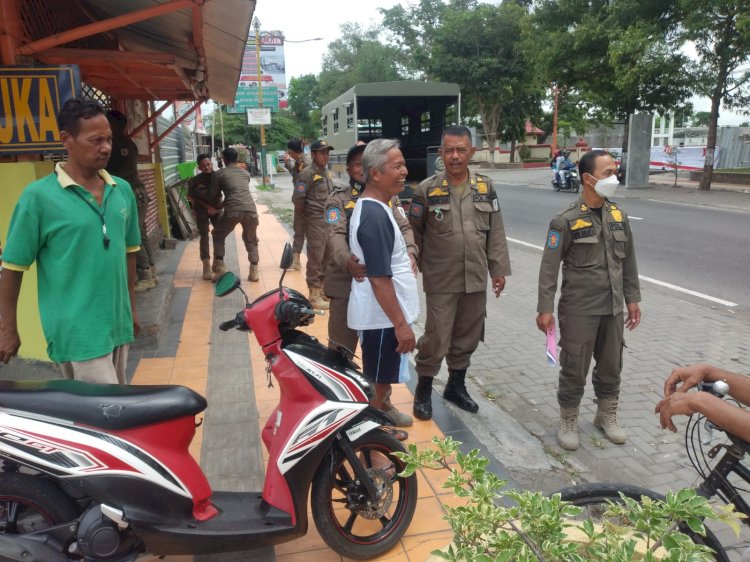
(380, 360)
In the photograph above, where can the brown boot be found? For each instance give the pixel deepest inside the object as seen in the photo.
(296, 265)
(567, 435)
(317, 300)
(207, 273)
(606, 420)
(218, 268)
(254, 274)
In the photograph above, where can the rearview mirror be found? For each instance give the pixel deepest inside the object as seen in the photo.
(287, 257)
(226, 284)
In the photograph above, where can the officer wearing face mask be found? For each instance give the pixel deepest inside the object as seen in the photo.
(593, 240)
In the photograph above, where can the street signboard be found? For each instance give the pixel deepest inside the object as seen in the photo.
(30, 99)
(247, 97)
(258, 116)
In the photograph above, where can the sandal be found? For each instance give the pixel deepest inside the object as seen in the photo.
(399, 434)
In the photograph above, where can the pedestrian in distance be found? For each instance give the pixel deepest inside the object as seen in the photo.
(383, 306)
(80, 226)
(313, 187)
(458, 227)
(344, 266)
(123, 163)
(593, 241)
(295, 161)
(233, 182)
(206, 207)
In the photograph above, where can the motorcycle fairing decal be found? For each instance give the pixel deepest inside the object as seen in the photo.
(342, 386)
(71, 452)
(319, 424)
(360, 429)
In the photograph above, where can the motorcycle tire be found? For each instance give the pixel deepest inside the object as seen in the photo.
(29, 503)
(556, 186)
(343, 515)
(576, 187)
(594, 497)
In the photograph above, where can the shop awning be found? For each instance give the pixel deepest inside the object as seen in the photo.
(143, 49)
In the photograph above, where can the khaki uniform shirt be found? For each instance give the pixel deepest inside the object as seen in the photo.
(234, 183)
(311, 190)
(295, 166)
(199, 188)
(599, 271)
(460, 236)
(339, 207)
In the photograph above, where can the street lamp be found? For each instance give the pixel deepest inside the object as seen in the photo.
(303, 40)
(263, 165)
(555, 90)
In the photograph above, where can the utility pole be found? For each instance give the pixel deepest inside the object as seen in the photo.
(555, 90)
(264, 171)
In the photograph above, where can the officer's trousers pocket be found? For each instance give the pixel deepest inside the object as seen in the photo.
(573, 368)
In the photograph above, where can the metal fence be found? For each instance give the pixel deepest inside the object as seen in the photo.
(735, 147)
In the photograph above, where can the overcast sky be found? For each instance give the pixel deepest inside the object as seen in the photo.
(300, 20)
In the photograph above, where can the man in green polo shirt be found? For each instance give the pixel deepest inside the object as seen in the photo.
(80, 226)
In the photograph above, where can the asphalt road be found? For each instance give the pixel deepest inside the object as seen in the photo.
(700, 249)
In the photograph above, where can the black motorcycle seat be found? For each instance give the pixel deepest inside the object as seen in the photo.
(107, 406)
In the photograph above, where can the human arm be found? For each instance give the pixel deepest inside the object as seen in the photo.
(10, 288)
(132, 277)
(630, 281)
(417, 219)
(549, 270)
(403, 224)
(385, 294)
(678, 401)
(338, 229)
(498, 257)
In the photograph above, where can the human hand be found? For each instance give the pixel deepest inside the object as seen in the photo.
(356, 269)
(634, 316)
(683, 379)
(414, 267)
(136, 324)
(10, 342)
(407, 341)
(498, 284)
(678, 404)
(545, 321)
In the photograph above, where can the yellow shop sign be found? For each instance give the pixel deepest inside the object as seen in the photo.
(30, 99)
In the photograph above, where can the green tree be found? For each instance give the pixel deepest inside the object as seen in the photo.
(303, 102)
(701, 118)
(480, 50)
(720, 31)
(621, 56)
(412, 29)
(354, 58)
(236, 130)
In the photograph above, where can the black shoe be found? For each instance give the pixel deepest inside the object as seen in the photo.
(423, 399)
(455, 391)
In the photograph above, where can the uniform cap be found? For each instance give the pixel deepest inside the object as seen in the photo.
(353, 151)
(320, 145)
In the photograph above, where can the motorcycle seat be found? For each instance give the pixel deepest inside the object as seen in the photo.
(107, 406)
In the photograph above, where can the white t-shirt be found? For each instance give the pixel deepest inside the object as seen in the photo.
(376, 240)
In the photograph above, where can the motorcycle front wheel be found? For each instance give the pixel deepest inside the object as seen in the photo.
(347, 520)
(29, 504)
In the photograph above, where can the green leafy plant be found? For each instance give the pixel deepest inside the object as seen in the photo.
(536, 527)
(524, 152)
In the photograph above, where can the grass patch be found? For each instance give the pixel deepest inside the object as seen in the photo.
(265, 187)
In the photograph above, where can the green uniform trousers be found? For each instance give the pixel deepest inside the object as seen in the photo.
(453, 328)
(580, 337)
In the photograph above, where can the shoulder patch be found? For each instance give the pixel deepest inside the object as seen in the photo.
(553, 238)
(301, 187)
(482, 187)
(616, 214)
(416, 209)
(333, 215)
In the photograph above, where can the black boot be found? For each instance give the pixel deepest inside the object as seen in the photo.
(423, 399)
(455, 391)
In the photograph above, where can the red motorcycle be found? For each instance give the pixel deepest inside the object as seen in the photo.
(103, 473)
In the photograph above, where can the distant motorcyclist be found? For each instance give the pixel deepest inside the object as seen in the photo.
(564, 163)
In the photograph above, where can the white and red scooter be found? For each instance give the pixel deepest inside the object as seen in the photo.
(103, 473)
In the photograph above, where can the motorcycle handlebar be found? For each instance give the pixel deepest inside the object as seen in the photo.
(237, 321)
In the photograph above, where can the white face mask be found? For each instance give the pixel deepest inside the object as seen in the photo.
(607, 186)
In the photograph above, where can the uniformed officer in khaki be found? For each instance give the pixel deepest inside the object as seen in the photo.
(593, 240)
(458, 228)
(313, 187)
(343, 265)
(295, 161)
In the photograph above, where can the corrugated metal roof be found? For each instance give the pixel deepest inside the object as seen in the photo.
(193, 65)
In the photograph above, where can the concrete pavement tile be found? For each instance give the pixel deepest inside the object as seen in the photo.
(419, 547)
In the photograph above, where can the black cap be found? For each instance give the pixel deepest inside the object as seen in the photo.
(353, 151)
(320, 145)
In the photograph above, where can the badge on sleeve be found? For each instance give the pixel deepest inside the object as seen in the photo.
(416, 209)
(332, 215)
(301, 187)
(553, 239)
